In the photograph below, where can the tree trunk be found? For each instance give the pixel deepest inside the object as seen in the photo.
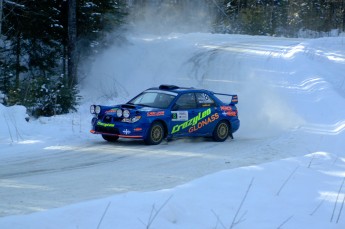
(1, 9)
(72, 40)
(18, 66)
(343, 10)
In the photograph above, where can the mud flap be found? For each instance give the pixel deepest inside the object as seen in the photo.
(231, 136)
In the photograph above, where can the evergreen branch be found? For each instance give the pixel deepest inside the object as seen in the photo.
(14, 4)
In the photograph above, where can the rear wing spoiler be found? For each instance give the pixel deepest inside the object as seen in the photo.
(234, 98)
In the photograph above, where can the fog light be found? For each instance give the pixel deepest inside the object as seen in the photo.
(119, 113)
(126, 113)
(97, 109)
(92, 109)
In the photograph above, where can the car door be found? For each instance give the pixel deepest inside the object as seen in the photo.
(194, 114)
(207, 115)
(182, 114)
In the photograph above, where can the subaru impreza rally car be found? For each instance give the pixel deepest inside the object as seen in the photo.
(166, 112)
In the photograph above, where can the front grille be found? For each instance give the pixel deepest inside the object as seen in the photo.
(109, 130)
(107, 119)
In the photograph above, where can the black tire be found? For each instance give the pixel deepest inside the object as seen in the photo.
(221, 131)
(110, 138)
(155, 134)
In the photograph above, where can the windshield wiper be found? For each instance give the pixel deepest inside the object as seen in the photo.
(143, 105)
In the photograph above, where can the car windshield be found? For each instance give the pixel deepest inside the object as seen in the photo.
(153, 99)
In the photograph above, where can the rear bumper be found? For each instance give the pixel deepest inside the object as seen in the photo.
(235, 125)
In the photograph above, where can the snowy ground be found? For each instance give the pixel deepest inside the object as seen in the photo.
(285, 168)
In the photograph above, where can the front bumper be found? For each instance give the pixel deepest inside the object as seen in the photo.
(120, 129)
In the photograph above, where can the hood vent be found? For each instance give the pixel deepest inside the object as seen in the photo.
(128, 106)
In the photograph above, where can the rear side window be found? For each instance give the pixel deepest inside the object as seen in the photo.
(186, 101)
(204, 100)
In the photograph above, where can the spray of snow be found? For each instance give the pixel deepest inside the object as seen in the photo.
(166, 17)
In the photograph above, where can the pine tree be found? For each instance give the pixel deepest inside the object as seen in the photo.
(34, 72)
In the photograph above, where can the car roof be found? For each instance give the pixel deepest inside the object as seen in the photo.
(177, 89)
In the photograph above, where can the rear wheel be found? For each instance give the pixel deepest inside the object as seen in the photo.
(110, 138)
(155, 134)
(221, 132)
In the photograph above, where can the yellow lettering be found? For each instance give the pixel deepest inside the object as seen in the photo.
(175, 129)
(203, 123)
(191, 122)
(99, 123)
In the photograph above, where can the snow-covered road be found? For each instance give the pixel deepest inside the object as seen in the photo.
(60, 175)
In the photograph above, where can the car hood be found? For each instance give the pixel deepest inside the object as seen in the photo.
(138, 108)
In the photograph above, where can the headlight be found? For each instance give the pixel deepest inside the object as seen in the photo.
(92, 109)
(98, 109)
(126, 113)
(131, 120)
(135, 119)
(119, 113)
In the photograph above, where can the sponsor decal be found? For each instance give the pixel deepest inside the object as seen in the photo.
(126, 131)
(204, 98)
(155, 113)
(230, 113)
(191, 122)
(99, 123)
(203, 123)
(226, 108)
(114, 110)
(179, 115)
(227, 111)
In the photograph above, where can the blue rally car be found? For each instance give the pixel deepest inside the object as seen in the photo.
(166, 112)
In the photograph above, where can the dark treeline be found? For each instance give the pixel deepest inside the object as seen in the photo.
(42, 42)
(255, 17)
(280, 17)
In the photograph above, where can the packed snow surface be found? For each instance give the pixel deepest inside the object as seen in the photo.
(284, 169)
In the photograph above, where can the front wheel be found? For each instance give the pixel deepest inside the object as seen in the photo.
(155, 134)
(221, 132)
(110, 138)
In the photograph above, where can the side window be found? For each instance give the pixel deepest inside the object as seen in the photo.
(185, 102)
(204, 100)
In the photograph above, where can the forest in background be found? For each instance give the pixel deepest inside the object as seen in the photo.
(44, 43)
